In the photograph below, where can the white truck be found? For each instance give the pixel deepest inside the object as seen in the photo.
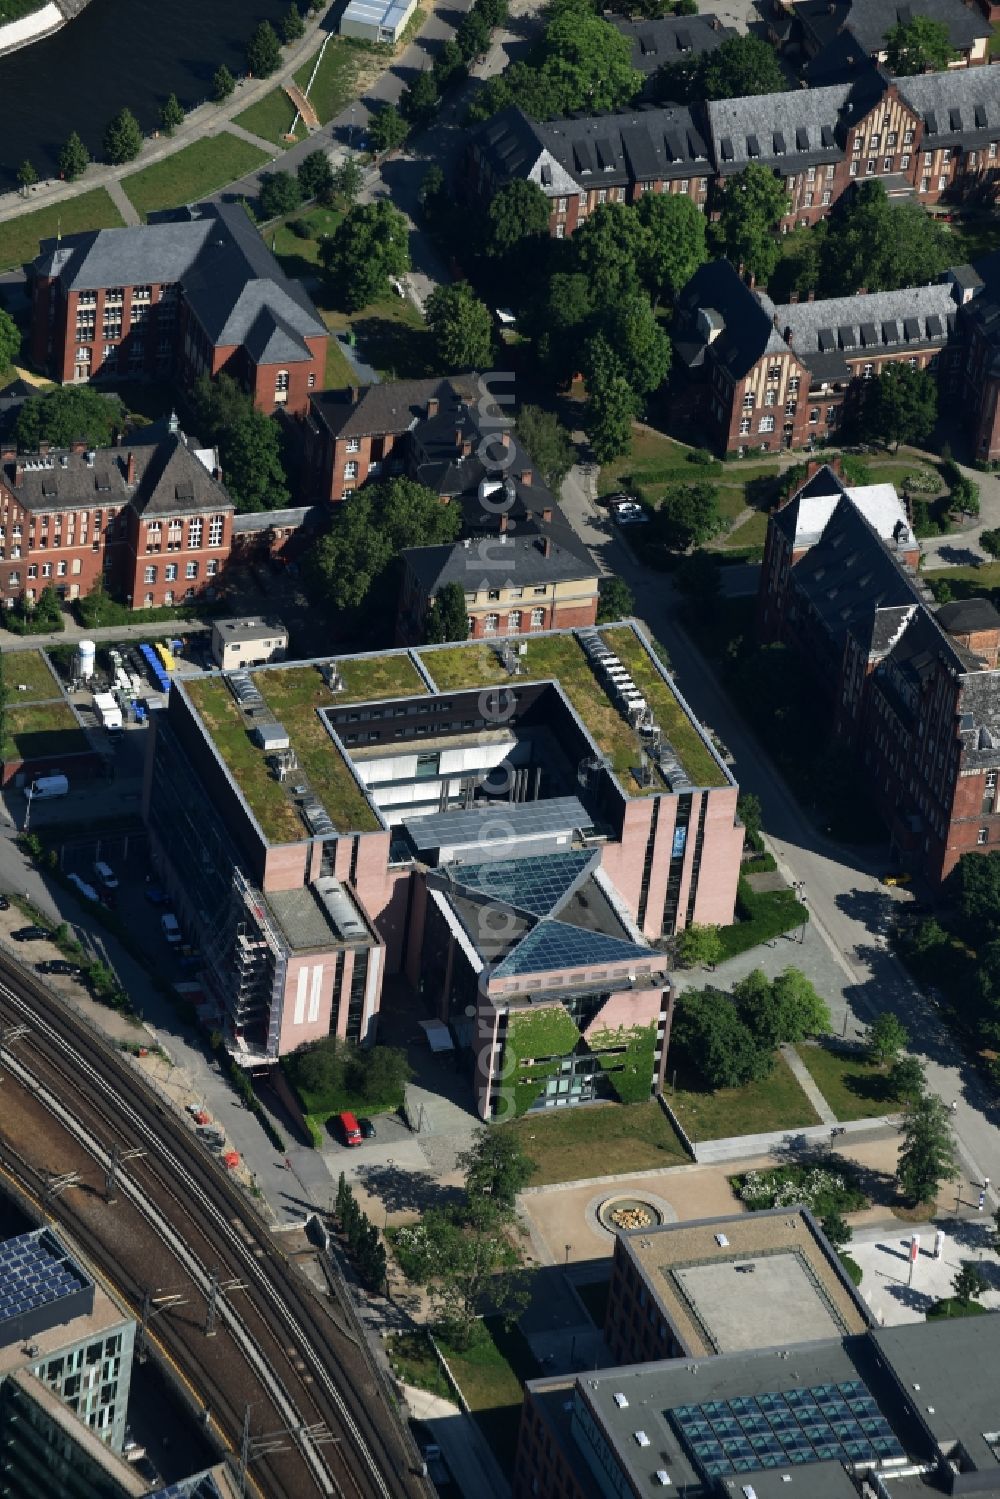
(108, 712)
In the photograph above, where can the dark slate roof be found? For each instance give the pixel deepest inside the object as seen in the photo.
(271, 340)
(669, 39)
(172, 480)
(786, 131)
(870, 20)
(842, 60)
(150, 254)
(958, 107)
(395, 406)
(963, 616)
(524, 556)
(747, 327)
(822, 333)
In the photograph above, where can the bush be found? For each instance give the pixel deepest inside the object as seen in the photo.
(763, 915)
(44, 619)
(851, 1269)
(300, 228)
(823, 1186)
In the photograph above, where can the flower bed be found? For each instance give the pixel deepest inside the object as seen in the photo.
(822, 1187)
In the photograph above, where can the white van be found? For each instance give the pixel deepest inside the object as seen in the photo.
(170, 929)
(46, 787)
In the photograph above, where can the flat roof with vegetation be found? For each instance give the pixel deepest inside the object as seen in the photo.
(28, 678)
(296, 692)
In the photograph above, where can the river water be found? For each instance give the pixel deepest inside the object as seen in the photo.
(118, 52)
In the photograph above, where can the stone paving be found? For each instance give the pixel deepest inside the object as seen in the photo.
(883, 1256)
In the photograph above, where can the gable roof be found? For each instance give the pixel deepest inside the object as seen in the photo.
(172, 480)
(668, 39)
(869, 20)
(958, 105)
(821, 333)
(392, 407)
(157, 254)
(790, 130)
(746, 328)
(513, 560)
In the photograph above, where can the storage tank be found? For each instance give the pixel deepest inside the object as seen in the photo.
(86, 653)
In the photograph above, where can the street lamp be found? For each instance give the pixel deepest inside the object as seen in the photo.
(350, 132)
(800, 896)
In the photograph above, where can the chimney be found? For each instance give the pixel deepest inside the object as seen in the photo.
(547, 515)
(459, 435)
(546, 546)
(810, 295)
(793, 298)
(504, 518)
(467, 448)
(354, 393)
(130, 470)
(505, 439)
(18, 472)
(78, 445)
(432, 407)
(43, 448)
(526, 477)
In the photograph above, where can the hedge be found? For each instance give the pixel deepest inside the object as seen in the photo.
(761, 864)
(763, 915)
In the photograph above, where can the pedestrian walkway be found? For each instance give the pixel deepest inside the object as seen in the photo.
(74, 632)
(246, 135)
(805, 1081)
(123, 202)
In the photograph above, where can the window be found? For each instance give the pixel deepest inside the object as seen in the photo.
(928, 158)
(149, 576)
(190, 569)
(212, 567)
(748, 401)
(311, 382)
(602, 196)
(774, 373)
(925, 183)
(904, 161)
(514, 622)
(982, 836)
(856, 147)
(281, 386)
(537, 618)
(807, 201)
(870, 169)
(168, 597)
(993, 150)
(789, 408)
(854, 169)
(887, 164)
(170, 572)
(945, 158)
(827, 196)
(46, 569)
(770, 397)
(891, 138)
(868, 371)
(811, 175)
(541, 591)
(354, 445)
(493, 594)
(793, 384)
(561, 206)
(560, 231)
(874, 142)
(490, 624)
(194, 531)
(813, 415)
(32, 570)
(60, 569)
(766, 424)
(350, 470)
(114, 296)
(907, 137)
(942, 184)
(215, 527)
(745, 426)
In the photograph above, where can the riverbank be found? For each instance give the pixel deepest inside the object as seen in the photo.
(39, 23)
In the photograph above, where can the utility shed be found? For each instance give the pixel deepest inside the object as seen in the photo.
(377, 20)
(271, 736)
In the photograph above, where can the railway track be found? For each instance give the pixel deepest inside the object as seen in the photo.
(277, 1349)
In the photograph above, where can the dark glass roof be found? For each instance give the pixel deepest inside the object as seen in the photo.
(535, 885)
(556, 944)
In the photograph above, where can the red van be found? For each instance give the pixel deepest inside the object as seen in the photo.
(350, 1130)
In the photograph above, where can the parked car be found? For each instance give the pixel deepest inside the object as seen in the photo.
(4, 903)
(629, 513)
(106, 875)
(618, 499)
(897, 879)
(30, 934)
(87, 891)
(156, 896)
(60, 965)
(348, 1128)
(367, 1129)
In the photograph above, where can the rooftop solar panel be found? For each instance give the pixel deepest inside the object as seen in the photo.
(826, 1422)
(560, 814)
(35, 1270)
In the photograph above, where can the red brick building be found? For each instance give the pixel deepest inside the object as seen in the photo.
(150, 521)
(933, 137)
(177, 300)
(913, 690)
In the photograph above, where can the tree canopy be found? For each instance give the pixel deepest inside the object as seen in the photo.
(496, 1168)
(10, 340)
(370, 244)
(74, 158)
(263, 51)
(548, 442)
(729, 1040)
(447, 618)
(387, 130)
(68, 414)
(520, 210)
(742, 66)
(122, 138)
(874, 243)
(753, 204)
(887, 1035)
(689, 515)
(615, 600)
(927, 1157)
(252, 466)
(280, 193)
(368, 532)
(918, 46)
(316, 176)
(461, 327)
(900, 405)
(675, 241)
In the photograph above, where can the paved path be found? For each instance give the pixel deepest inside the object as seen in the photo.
(122, 201)
(850, 909)
(805, 1081)
(469, 1459)
(74, 632)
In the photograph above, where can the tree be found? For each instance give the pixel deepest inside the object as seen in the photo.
(975, 886)
(369, 245)
(615, 599)
(751, 814)
(263, 51)
(316, 176)
(689, 515)
(879, 245)
(628, 341)
(473, 35)
(965, 495)
(698, 946)
(384, 1071)
(69, 414)
(370, 530)
(716, 1043)
(74, 158)
(837, 1230)
(10, 340)
(927, 1157)
(420, 99)
(675, 242)
(448, 617)
(122, 138)
(919, 45)
(607, 249)
(496, 1168)
(217, 405)
(990, 542)
(886, 1038)
(280, 193)
(742, 66)
(801, 1011)
(347, 180)
(467, 1267)
(250, 451)
(519, 211)
(543, 435)
(26, 176)
(449, 64)
(753, 204)
(969, 1282)
(171, 115)
(223, 84)
(906, 1080)
(901, 405)
(387, 130)
(461, 327)
(611, 410)
(432, 186)
(292, 25)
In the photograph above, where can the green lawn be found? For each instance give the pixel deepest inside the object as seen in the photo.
(267, 799)
(192, 172)
(391, 335)
(752, 533)
(19, 237)
(671, 717)
(27, 670)
(775, 1104)
(41, 729)
(271, 118)
(852, 1087)
(571, 1144)
(414, 1361)
(13, 10)
(491, 1375)
(299, 256)
(334, 84)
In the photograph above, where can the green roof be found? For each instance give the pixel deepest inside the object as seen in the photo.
(27, 678)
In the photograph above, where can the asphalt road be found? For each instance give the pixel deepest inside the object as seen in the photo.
(849, 907)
